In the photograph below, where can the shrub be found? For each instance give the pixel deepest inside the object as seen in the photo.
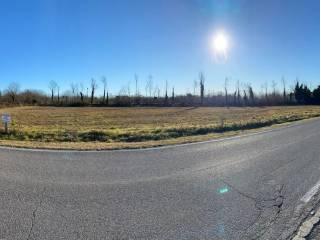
(93, 136)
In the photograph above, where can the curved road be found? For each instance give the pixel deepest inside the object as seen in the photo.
(246, 187)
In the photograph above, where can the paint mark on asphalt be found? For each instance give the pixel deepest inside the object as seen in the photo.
(307, 197)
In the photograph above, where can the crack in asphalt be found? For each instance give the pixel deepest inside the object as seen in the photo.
(255, 199)
(259, 205)
(279, 200)
(33, 217)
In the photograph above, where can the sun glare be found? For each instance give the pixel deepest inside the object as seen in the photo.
(220, 43)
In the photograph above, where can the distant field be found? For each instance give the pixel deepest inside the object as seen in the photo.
(91, 128)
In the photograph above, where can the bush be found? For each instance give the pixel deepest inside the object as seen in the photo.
(94, 136)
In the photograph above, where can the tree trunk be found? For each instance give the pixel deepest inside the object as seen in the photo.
(92, 96)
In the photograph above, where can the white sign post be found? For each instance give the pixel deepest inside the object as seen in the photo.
(6, 118)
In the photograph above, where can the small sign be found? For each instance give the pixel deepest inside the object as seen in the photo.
(6, 118)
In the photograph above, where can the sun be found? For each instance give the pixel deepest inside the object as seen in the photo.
(220, 46)
(220, 43)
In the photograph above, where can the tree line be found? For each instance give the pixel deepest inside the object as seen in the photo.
(241, 95)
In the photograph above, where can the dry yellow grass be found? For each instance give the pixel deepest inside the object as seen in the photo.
(54, 127)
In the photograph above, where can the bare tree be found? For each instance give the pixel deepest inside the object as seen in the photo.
(81, 93)
(274, 86)
(172, 96)
(53, 87)
(266, 91)
(94, 87)
(166, 94)
(104, 83)
(195, 87)
(251, 94)
(146, 88)
(107, 100)
(74, 90)
(235, 97)
(284, 90)
(226, 90)
(149, 85)
(123, 91)
(202, 79)
(136, 79)
(13, 90)
(128, 89)
(245, 98)
(58, 90)
(156, 92)
(238, 93)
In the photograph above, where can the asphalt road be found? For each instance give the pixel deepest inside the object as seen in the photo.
(247, 187)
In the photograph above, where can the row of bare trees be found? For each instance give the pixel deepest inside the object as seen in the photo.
(78, 95)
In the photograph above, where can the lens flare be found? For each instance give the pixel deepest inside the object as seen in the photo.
(223, 190)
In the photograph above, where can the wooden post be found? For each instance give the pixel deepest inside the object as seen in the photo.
(6, 127)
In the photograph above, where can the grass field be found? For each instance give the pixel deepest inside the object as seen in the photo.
(105, 128)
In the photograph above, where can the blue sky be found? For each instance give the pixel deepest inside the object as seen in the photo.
(75, 40)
